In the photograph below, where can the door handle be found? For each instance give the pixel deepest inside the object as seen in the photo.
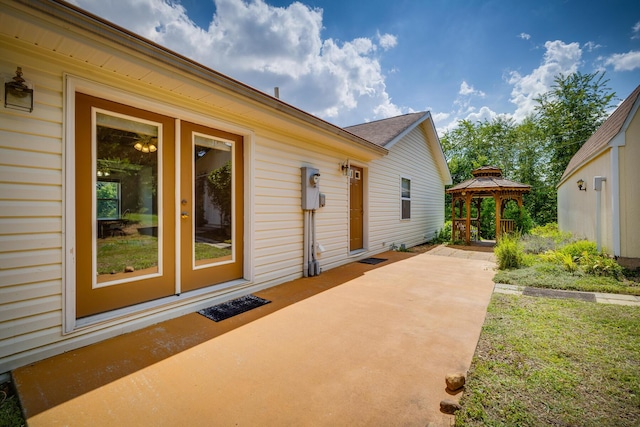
(184, 214)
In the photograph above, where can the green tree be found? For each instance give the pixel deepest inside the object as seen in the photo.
(535, 151)
(569, 114)
(219, 182)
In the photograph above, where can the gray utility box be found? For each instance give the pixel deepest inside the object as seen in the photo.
(310, 188)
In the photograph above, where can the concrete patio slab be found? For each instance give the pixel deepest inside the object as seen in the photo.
(358, 345)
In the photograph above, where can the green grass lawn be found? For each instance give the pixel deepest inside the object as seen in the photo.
(115, 253)
(543, 361)
(140, 252)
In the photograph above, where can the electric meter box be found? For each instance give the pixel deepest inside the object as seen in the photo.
(310, 188)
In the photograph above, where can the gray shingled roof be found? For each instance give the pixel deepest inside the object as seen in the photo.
(605, 133)
(488, 178)
(382, 132)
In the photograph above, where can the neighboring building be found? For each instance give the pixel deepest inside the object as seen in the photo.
(144, 186)
(597, 197)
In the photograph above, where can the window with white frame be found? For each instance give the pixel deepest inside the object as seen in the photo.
(405, 198)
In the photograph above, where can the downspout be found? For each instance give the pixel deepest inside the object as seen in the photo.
(615, 199)
(305, 243)
(597, 186)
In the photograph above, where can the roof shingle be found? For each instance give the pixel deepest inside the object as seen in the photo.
(605, 133)
(382, 132)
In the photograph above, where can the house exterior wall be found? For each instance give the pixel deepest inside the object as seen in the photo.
(629, 154)
(36, 196)
(413, 158)
(577, 209)
(32, 201)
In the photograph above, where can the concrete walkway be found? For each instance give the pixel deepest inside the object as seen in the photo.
(359, 345)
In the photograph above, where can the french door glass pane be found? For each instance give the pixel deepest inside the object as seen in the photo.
(213, 213)
(126, 198)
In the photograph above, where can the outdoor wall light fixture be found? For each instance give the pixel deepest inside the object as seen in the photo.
(581, 185)
(17, 95)
(346, 169)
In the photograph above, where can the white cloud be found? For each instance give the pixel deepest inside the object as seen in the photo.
(484, 113)
(636, 31)
(387, 41)
(266, 46)
(524, 36)
(559, 58)
(467, 89)
(591, 46)
(624, 61)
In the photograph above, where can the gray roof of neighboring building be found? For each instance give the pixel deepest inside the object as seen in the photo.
(605, 133)
(382, 132)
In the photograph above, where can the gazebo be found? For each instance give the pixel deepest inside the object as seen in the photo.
(487, 182)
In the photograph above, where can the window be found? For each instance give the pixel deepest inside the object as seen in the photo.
(405, 197)
(108, 195)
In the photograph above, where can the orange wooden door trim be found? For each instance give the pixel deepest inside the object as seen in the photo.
(356, 209)
(91, 300)
(196, 278)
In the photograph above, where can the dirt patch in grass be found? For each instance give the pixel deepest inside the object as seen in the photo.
(420, 249)
(554, 362)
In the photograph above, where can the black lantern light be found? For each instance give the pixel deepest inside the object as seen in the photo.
(17, 95)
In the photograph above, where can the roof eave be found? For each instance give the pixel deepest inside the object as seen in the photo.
(85, 21)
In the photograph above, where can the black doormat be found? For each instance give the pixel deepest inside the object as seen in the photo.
(554, 293)
(231, 308)
(372, 261)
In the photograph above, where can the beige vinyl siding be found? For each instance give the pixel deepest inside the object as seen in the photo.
(279, 217)
(412, 158)
(31, 211)
(629, 194)
(32, 201)
(577, 209)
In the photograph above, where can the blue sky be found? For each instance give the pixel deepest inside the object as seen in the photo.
(350, 61)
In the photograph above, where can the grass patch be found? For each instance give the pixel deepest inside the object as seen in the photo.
(10, 412)
(543, 361)
(206, 251)
(555, 276)
(548, 258)
(140, 252)
(115, 253)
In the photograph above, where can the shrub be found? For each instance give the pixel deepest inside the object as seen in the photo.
(601, 265)
(551, 231)
(444, 234)
(537, 244)
(566, 260)
(509, 252)
(577, 249)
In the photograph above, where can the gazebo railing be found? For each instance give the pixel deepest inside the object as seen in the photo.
(507, 225)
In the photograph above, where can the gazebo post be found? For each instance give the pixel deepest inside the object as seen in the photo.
(468, 222)
(498, 200)
(453, 217)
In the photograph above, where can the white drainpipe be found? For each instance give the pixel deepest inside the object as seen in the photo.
(597, 186)
(615, 199)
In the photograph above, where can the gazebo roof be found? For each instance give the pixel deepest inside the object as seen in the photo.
(488, 179)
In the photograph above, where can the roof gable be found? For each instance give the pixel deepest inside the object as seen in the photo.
(387, 132)
(604, 134)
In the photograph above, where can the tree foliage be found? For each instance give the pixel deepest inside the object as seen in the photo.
(535, 151)
(219, 184)
(569, 114)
